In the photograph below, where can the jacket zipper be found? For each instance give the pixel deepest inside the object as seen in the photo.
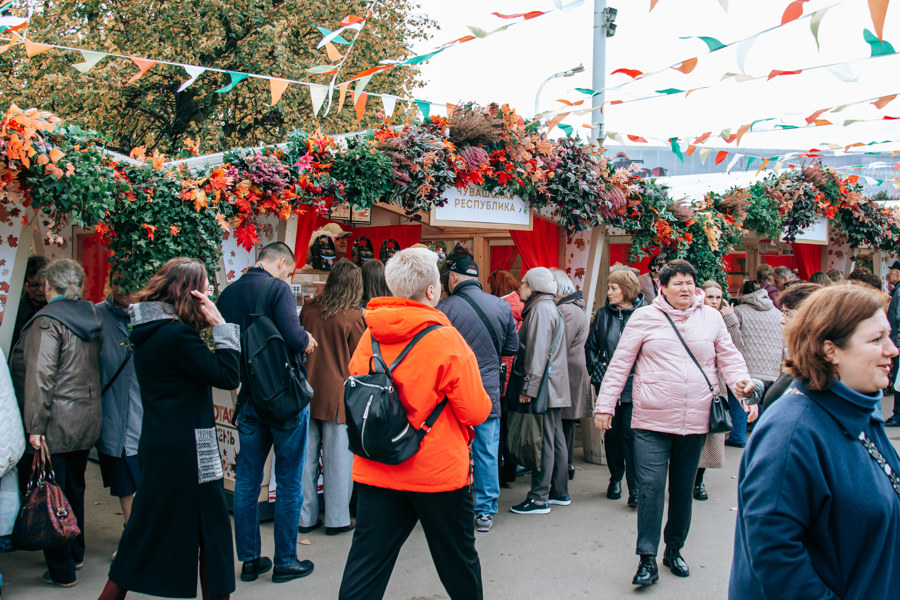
(401, 434)
(362, 431)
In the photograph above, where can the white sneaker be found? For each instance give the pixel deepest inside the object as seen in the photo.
(483, 522)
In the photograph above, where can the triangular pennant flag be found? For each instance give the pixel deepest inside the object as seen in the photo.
(690, 150)
(614, 137)
(793, 11)
(750, 160)
(634, 138)
(451, 108)
(676, 149)
(815, 22)
(687, 66)
(879, 46)
(778, 73)
(878, 10)
(331, 37)
(760, 121)
(633, 73)
(193, 73)
(422, 58)
(704, 153)
(143, 66)
(317, 94)
(277, 87)
(13, 38)
(424, 108)
(712, 43)
(765, 163)
(811, 118)
(361, 84)
(332, 52)
(721, 156)
(361, 99)
(91, 59)
(844, 72)
(703, 137)
(236, 78)
(351, 20)
(568, 129)
(884, 100)
(33, 48)
(389, 103)
(733, 162)
(322, 70)
(342, 89)
(653, 4)
(724, 4)
(740, 133)
(670, 91)
(743, 49)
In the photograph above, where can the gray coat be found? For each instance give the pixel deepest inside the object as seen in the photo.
(893, 314)
(122, 409)
(577, 326)
(542, 321)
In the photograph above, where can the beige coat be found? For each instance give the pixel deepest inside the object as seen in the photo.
(542, 321)
(577, 329)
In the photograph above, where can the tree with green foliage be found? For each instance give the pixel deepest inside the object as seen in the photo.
(277, 38)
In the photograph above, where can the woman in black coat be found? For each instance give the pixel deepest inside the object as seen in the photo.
(182, 509)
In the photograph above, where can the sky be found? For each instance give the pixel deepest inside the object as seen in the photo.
(509, 66)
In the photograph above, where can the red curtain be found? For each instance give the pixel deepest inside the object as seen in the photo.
(808, 258)
(503, 257)
(94, 259)
(618, 253)
(539, 247)
(308, 222)
(406, 235)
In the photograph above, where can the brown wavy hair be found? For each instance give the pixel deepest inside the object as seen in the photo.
(832, 313)
(502, 283)
(173, 284)
(343, 290)
(374, 285)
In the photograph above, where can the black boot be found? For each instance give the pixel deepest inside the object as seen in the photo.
(700, 492)
(676, 564)
(571, 472)
(614, 491)
(648, 572)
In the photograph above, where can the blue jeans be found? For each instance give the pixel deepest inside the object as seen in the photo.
(486, 475)
(738, 433)
(256, 439)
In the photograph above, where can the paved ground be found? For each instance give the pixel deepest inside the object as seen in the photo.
(584, 550)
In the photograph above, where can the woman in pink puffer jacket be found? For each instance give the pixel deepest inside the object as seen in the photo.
(671, 406)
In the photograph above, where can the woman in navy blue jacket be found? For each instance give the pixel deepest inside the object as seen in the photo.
(818, 511)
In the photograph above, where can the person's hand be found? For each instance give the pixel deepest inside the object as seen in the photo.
(603, 421)
(311, 345)
(35, 441)
(209, 310)
(753, 413)
(743, 388)
(523, 399)
(727, 308)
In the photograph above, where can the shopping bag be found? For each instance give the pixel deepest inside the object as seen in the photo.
(524, 436)
(46, 519)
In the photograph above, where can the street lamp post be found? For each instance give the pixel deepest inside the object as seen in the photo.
(569, 73)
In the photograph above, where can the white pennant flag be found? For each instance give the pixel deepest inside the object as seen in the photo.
(704, 154)
(733, 162)
(193, 74)
(90, 60)
(389, 103)
(361, 84)
(355, 26)
(317, 94)
(844, 72)
(742, 49)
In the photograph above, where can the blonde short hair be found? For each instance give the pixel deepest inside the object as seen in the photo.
(627, 282)
(409, 273)
(564, 285)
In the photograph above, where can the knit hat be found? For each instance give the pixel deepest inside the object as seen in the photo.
(541, 280)
(464, 266)
(896, 265)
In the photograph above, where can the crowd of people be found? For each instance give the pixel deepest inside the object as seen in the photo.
(802, 364)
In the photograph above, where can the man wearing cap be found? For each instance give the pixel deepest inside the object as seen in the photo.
(486, 323)
(341, 239)
(894, 319)
(649, 281)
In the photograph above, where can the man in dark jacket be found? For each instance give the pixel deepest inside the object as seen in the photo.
(236, 303)
(893, 314)
(33, 297)
(487, 324)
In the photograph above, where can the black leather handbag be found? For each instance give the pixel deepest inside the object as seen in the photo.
(719, 416)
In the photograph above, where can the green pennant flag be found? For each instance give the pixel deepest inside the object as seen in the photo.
(879, 47)
(236, 78)
(851, 121)
(880, 181)
(336, 39)
(422, 58)
(567, 128)
(670, 91)
(750, 160)
(588, 91)
(712, 43)
(425, 108)
(760, 121)
(676, 149)
(780, 126)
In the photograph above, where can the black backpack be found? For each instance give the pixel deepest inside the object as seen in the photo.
(377, 425)
(277, 382)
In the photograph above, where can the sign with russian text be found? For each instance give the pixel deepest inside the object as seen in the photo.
(475, 207)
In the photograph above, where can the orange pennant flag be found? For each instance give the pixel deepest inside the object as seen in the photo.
(765, 163)
(143, 65)
(856, 145)
(343, 89)
(528, 15)
(884, 101)
(556, 121)
(569, 102)
(740, 133)
(703, 137)
(822, 122)
(878, 9)
(793, 11)
(777, 73)
(361, 106)
(690, 150)
(653, 4)
(332, 52)
(351, 20)
(13, 38)
(811, 118)
(853, 179)
(687, 66)
(637, 139)
(633, 73)
(896, 166)
(278, 86)
(33, 48)
(721, 156)
(895, 153)
(463, 39)
(371, 71)
(450, 110)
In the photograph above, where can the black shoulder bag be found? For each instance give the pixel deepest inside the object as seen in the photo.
(493, 333)
(719, 417)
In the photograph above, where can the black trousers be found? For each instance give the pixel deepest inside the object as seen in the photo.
(385, 518)
(619, 441)
(507, 464)
(657, 454)
(69, 469)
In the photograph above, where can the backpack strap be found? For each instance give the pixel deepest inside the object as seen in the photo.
(262, 298)
(376, 349)
(429, 422)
